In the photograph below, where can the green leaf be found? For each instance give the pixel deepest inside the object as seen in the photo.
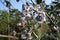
(58, 23)
(42, 30)
(17, 0)
(38, 1)
(55, 2)
(8, 4)
(27, 3)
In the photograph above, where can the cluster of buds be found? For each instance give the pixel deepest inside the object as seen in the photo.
(34, 11)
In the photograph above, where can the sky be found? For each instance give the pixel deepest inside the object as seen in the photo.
(18, 5)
